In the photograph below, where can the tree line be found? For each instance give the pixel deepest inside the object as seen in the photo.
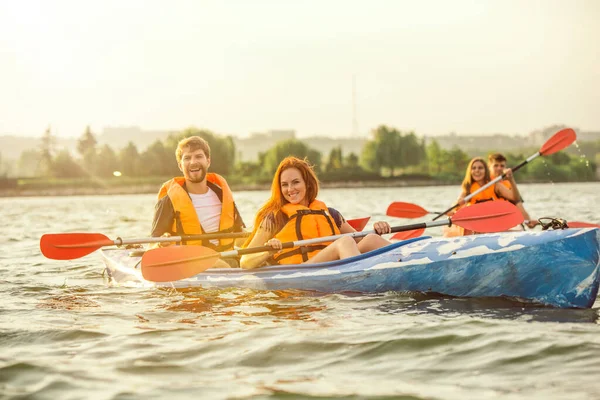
(389, 153)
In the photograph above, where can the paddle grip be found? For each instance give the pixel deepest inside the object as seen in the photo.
(411, 227)
(261, 249)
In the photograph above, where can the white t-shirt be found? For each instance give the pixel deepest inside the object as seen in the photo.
(208, 208)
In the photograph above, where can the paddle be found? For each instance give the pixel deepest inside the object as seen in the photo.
(358, 223)
(577, 224)
(557, 142)
(400, 209)
(69, 246)
(180, 262)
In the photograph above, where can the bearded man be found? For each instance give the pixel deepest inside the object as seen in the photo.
(198, 202)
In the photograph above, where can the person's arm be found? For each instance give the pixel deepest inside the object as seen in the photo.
(509, 194)
(238, 223)
(520, 199)
(250, 261)
(460, 201)
(531, 223)
(381, 227)
(164, 214)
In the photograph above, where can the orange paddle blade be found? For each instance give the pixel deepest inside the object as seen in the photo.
(68, 246)
(577, 224)
(408, 234)
(559, 141)
(400, 209)
(165, 264)
(358, 223)
(491, 216)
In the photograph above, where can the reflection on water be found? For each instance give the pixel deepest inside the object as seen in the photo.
(279, 305)
(502, 308)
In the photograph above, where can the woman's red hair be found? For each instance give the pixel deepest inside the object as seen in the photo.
(277, 201)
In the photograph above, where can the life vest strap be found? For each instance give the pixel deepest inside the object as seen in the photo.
(483, 200)
(179, 226)
(303, 250)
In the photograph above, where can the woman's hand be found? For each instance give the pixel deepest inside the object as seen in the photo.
(382, 227)
(274, 243)
(165, 244)
(532, 223)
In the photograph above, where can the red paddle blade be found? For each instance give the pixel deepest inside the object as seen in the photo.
(173, 263)
(577, 224)
(491, 216)
(68, 246)
(559, 141)
(408, 234)
(358, 223)
(400, 209)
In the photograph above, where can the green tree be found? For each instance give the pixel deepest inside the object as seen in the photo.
(335, 160)
(28, 163)
(435, 159)
(457, 160)
(86, 142)
(560, 158)
(249, 169)
(107, 162)
(391, 149)
(352, 162)
(129, 159)
(64, 166)
(369, 159)
(410, 150)
(387, 141)
(46, 153)
(158, 160)
(291, 147)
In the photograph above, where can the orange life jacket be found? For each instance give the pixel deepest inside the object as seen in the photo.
(507, 184)
(486, 195)
(186, 219)
(309, 222)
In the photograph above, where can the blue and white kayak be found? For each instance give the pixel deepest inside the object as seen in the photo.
(558, 268)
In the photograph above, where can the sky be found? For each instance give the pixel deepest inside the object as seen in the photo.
(238, 67)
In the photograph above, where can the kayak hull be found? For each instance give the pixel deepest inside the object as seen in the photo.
(558, 268)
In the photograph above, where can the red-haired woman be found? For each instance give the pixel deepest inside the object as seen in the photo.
(294, 213)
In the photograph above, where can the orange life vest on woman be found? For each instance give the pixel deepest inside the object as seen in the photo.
(309, 222)
(486, 195)
(186, 219)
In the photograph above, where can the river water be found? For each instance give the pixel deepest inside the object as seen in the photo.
(65, 333)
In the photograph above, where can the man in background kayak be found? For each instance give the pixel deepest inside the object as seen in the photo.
(198, 202)
(496, 165)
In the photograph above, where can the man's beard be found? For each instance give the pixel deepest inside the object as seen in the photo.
(200, 178)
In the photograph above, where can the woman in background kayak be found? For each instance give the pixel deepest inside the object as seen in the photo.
(477, 176)
(294, 213)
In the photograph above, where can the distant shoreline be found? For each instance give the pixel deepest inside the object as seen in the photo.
(153, 189)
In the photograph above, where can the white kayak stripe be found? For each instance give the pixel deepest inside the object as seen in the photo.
(481, 250)
(418, 261)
